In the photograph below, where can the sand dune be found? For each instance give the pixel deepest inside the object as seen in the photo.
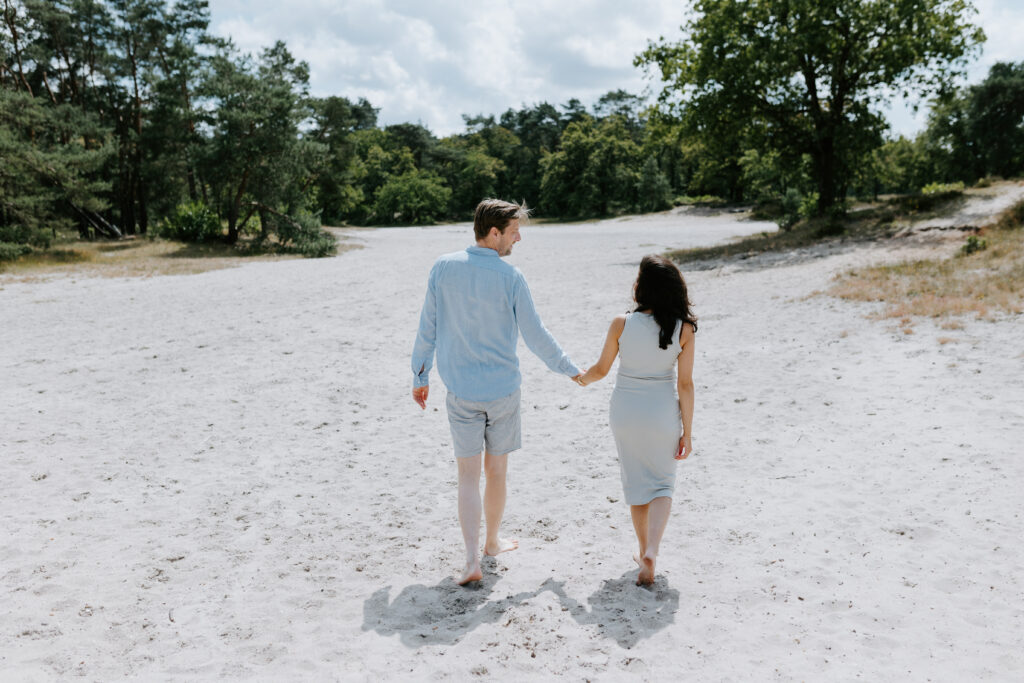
(223, 476)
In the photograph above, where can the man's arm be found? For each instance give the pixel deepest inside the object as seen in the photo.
(423, 349)
(536, 336)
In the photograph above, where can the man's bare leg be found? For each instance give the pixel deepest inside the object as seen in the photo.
(639, 515)
(469, 516)
(657, 520)
(496, 470)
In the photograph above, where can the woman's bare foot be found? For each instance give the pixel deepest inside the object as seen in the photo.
(502, 546)
(470, 574)
(646, 575)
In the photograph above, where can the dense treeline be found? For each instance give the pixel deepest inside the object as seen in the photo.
(127, 116)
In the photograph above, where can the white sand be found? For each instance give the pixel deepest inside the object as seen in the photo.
(223, 476)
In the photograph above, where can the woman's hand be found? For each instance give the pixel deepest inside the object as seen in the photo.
(685, 447)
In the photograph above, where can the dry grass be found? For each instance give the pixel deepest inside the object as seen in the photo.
(867, 224)
(984, 283)
(138, 258)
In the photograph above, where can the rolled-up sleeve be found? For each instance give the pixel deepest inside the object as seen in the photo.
(536, 336)
(426, 337)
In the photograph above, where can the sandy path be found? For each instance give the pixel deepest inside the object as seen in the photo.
(223, 476)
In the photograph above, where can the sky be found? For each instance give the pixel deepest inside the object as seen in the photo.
(432, 61)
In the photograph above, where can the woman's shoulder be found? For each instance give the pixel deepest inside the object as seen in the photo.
(686, 331)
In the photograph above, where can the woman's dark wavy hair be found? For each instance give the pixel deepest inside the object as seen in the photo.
(661, 290)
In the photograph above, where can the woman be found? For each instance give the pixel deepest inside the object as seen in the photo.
(651, 415)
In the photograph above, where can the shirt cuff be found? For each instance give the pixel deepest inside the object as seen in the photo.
(570, 369)
(421, 380)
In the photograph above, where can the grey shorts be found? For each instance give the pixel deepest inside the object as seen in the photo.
(476, 425)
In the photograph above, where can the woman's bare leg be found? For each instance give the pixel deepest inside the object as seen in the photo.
(657, 520)
(469, 516)
(639, 515)
(496, 471)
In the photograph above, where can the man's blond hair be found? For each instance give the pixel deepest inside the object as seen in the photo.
(497, 213)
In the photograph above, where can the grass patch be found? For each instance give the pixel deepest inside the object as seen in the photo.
(699, 200)
(979, 281)
(142, 257)
(874, 222)
(869, 224)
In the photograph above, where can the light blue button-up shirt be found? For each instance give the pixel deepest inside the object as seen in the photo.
(475, 308)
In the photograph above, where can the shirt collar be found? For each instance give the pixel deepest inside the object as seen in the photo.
(482, 251)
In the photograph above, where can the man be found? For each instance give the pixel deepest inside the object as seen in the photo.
(476, 307)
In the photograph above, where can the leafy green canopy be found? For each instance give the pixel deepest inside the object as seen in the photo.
(805, 77)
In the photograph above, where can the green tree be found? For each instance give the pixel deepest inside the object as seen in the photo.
(623, 104)
(470, 171)
(170, 141)
(806, 77)
(538, 129)
(256, 161)
(378, 157)
(417, 139)
(899, 165)
(594, 173)
(995, 115)
(47, 172)
(653, 190)
(413, 197)
(335, 120)
(55, 52)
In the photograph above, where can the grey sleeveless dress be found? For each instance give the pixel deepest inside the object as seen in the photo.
(644, 411)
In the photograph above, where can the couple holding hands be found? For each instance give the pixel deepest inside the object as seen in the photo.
(476, 307)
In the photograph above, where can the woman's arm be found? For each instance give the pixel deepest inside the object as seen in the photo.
(611, 349)
(684, 386)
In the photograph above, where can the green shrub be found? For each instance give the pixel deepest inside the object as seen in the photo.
(303, 234)
(412, 197)
(687, 200)
(1011, 218)
(791, 208)
(12, 252)
(22, 234)
(809, 205)
(653, 190)
(973, 245)
(192, 222)
(942, 188)
(319, 245)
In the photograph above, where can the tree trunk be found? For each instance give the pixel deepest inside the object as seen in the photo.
(127, 190)
(143, 213)
(140, 186)
(825, 170)
(190, 175)
(9, 17)
(191, 127)
(263, 225)
(235, 209)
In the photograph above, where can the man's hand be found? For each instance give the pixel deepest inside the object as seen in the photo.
(419, 394)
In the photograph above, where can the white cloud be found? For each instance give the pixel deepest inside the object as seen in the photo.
(432, 62)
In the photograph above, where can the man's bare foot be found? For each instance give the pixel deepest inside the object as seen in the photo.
(470, 574)
(502, 546)
(646, 575)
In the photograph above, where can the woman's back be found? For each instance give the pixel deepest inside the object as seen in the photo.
(640, 357)
(644, 411)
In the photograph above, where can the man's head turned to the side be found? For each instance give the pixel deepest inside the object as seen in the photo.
(496, 224)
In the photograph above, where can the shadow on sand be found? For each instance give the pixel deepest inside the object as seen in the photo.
(444, 613)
